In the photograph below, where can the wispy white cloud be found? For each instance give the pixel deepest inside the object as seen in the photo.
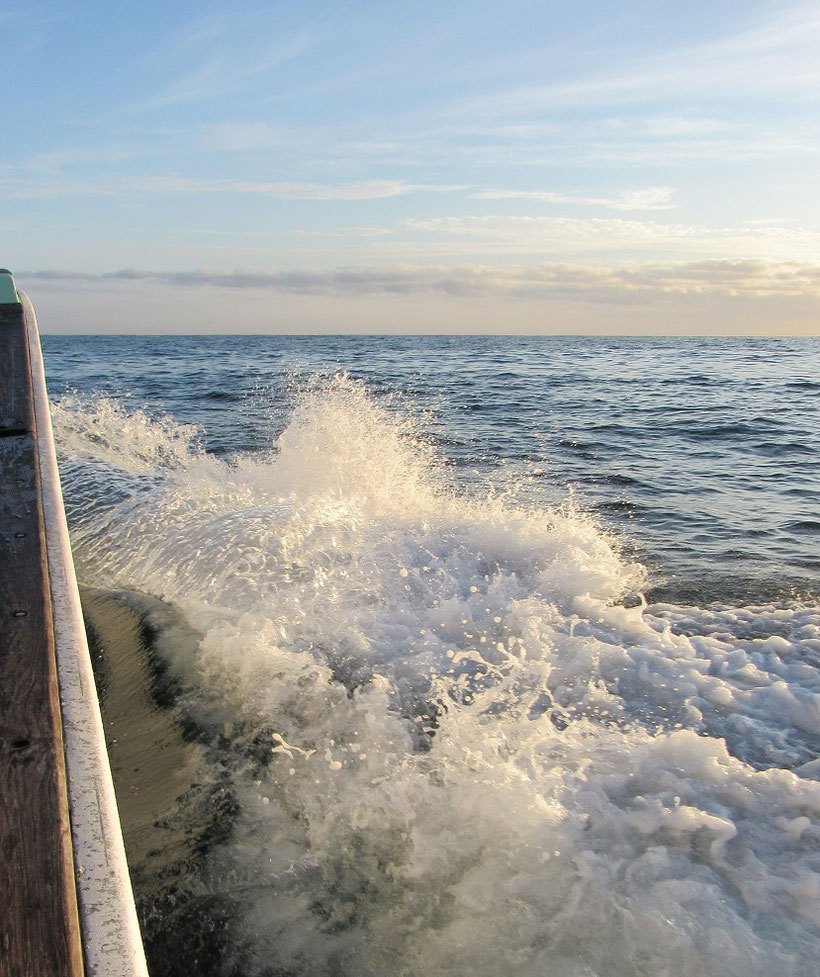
(248, 136)
(558, 236)
(180, 185)
(348, 232)
(61, 158)
(361, 190)
(772, 59)
(647, 198)
(683, 125)
(224, 65)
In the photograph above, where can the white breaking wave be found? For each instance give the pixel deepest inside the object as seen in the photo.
(481, 760)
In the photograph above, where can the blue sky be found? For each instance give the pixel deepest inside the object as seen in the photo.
(523, 167)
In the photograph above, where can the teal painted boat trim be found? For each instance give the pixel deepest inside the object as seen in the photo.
(8, 293)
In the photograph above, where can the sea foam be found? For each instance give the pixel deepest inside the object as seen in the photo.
(460, 741)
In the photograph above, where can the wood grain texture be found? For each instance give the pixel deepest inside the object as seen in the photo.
(39, 928)
(16, 401)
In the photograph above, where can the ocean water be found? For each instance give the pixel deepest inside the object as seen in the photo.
(506, 649)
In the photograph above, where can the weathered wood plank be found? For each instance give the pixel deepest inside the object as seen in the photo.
(39, 928)
(16, 402)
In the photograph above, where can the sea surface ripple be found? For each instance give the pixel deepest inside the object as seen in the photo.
(489, 655)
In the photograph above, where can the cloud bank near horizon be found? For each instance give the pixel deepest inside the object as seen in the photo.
(731, 278)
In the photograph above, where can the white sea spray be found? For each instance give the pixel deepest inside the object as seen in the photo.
(480, 759)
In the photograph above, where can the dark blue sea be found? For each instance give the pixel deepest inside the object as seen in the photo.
(506, 649)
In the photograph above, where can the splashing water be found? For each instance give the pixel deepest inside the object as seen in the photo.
(462, 744)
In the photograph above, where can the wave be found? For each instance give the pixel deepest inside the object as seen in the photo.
(458, 739)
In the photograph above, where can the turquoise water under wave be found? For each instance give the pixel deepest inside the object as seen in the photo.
(508, 650)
